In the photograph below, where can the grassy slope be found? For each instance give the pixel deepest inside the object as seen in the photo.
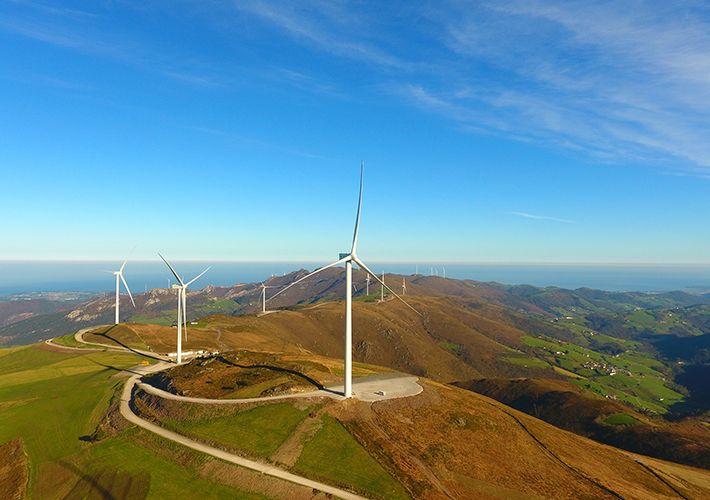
(52, 400)
(567, 407)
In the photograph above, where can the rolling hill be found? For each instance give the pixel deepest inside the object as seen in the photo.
(443, 443)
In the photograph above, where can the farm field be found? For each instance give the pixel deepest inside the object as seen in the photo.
(633, 377)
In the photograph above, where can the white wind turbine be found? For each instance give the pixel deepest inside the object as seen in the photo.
(348, 260)
(263, 296)
(404, 285)
(119, 274)
(182, 307)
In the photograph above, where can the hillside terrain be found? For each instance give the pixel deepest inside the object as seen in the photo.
(627, 369)
(443, 443)
(646, 350)
(566, 406)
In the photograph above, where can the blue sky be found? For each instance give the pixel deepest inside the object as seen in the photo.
(495, 131)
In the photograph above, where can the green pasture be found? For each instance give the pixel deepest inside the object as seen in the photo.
(70, 341)
(621, 419)
(335, 455)
(54, 402)
(173, 469)
(449, 346)
(259, 431)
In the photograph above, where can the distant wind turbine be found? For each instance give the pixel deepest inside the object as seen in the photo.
(263, 296)
(182, 306)
(119, 274)
(348, 260)
(404, 286)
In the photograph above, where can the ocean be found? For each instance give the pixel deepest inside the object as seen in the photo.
(26, 276)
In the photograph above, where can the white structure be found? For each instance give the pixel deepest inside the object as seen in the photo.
(348, 260)
(119, 274)
(382, 288)
(182, 307)
(404, 285)
(368, 285)
(263, 296)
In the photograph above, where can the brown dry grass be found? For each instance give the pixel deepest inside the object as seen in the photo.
(475, 447)
(255, 482)
(14, 470)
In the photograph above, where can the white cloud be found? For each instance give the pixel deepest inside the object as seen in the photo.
(529, 216)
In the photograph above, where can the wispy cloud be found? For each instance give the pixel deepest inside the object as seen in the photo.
(617, 80)
(530, 216)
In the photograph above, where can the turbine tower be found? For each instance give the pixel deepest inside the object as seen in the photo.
(348, 259)
(382, 288)
(404, 286)
(119, 274)
(182, 306)
(368, 285)
(263, 296)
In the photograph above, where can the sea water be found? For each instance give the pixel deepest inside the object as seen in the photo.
(26, 276)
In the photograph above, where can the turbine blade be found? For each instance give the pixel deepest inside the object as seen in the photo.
(363, 266)
(341, 261)
(359, 204)
(127, 289)
(203, 272)
(124, 262)
(173, 270)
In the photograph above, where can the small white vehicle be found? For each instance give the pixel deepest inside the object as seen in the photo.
(381, 393)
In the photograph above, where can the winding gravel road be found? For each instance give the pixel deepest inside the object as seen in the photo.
(127, 412)
(374, 388)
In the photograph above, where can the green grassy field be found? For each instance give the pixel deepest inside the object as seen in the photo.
(54, 402)
(335, 455)
(644, 388)
(259, 431)
(621, 419)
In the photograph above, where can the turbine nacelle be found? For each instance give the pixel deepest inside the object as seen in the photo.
(348, 259)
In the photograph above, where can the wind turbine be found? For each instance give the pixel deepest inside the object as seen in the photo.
(348, 259)
(382, 288)
(263, 296)
(404, 286)
(119, 274)
(182, 306)
(368, 285)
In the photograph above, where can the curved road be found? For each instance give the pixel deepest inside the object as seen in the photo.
(127, 412)
(374, 388)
